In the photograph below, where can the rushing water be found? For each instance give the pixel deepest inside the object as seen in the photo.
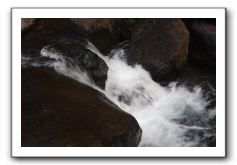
(169, 116)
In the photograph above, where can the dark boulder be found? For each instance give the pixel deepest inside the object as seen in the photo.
(86, 60)
(104, 40)
(202, 48)
(103, 33)
(68, 39)
(60, 112)
(47, 31)
(160, 46)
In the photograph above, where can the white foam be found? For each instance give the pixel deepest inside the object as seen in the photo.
(155, 107)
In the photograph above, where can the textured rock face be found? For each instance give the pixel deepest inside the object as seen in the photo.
(160, 45)
(202, 48)
(58, 111)
(68, 39)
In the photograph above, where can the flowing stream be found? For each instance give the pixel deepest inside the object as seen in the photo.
(170, 116)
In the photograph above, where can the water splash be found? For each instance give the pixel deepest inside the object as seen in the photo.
(169, 116)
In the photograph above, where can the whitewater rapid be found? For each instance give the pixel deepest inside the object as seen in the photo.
(168, 116)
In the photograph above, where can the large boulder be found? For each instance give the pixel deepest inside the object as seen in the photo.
(202, 48)
(60, 112)
(160, 46)
(67, 38)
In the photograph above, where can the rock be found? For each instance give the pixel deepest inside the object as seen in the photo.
(67, 38)
(103, 33)
(202, 48)
(60, 112)
(160, 46)
(48, 31)
(104, 40)
(86, 60)
(26, 23)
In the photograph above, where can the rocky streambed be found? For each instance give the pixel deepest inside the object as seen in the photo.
(67, 96)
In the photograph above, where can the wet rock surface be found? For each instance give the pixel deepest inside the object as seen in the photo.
(160, 45)
(67, 38)
(86, 60)
(49, 31)
(60, 112)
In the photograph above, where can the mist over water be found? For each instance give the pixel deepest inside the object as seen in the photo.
(169, 116)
